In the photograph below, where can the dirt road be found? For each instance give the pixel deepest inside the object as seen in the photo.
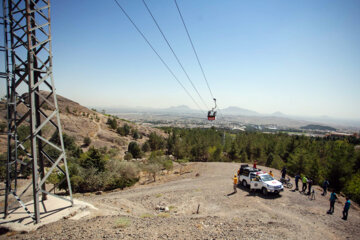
(131, 214)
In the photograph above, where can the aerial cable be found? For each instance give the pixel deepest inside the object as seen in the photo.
(161, 59)
(197, 57)
(193, 47)
(172, 50)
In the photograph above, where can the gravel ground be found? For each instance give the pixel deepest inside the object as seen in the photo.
(132, 214)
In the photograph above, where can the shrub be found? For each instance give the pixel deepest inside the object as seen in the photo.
(136, 135)
(134, 149)
(153, 169)
(93, 159)
(158, 158)
(87, 141)
(122, 222)
(128, 156)
(145, 147)
(124, 130)
(112, 123)
(120, 174)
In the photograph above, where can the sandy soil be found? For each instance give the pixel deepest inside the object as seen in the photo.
(131, 214)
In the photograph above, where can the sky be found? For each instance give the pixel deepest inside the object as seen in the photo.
(297, 57)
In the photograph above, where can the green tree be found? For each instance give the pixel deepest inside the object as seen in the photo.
(134, 149)
(352, 187)
(243, 157)
(234, 152)
(269, 160)
(93, 159)
(156, 142)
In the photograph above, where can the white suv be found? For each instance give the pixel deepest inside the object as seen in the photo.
(258, 180)
(265, 183)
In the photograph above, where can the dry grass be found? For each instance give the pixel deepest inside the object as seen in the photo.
(163, 215)
(146, 215)
(122, 222)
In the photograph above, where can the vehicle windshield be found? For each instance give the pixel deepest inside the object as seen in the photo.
(266, 178)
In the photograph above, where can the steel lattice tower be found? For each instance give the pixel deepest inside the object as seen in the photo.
(31, 104)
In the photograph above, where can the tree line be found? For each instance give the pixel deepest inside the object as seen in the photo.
(317, 158)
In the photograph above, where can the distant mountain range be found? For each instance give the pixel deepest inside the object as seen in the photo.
(239, 111)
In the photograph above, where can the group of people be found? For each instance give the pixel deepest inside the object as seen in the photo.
(307, 184)
(333, 198)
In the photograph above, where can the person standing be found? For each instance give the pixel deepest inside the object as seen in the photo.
(333, 198)
(304, 182)
(271, 173)
(235, 183)
(346, 208)
(283, 172)
(310, 183)
(325, 186)
(297, 177)
(254, 166)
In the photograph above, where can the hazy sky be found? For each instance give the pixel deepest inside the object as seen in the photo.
(297, 57)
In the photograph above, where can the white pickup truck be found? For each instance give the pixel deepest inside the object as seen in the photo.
(258, 180)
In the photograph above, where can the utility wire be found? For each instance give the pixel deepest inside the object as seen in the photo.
(161, 59)
(172, 50)
(197, 57)
(193, 47)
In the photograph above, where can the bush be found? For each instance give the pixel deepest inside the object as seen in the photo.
(153, 169)
(121, 174)
(94, 172)
(136, 135)
(93, 159)
(87, 141)
(112, 123)
(124, 130)
(128, 156)
(145, 147)
(164, 161)
(134, 149)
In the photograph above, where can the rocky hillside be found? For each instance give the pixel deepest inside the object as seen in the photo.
(200, 205)
(80, 122)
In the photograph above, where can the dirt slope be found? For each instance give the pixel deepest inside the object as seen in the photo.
(131, 214)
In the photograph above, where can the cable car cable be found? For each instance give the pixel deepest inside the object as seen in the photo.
(195, 52)
(193, 47)
(172, 50)
(161, 59)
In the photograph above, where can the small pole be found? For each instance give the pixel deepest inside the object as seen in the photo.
(198, 208)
